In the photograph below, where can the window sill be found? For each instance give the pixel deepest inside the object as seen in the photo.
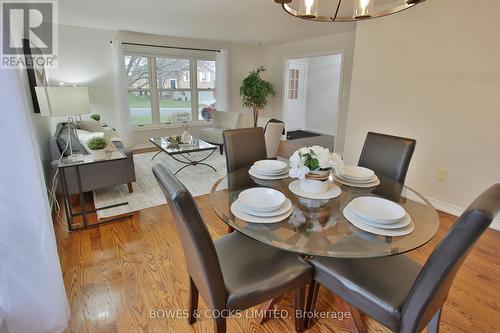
(171, 126)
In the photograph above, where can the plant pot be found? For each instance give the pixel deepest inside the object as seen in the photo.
(318, 175)
(99, 154)
(313, 186)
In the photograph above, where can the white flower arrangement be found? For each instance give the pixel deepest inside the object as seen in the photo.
(313, 158)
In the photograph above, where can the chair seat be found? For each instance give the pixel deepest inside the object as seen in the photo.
(254, 272)
(375, 286)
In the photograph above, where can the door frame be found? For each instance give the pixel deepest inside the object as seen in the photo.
(342, 114)
(302, 120)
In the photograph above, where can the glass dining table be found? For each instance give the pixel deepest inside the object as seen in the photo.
(318, 227)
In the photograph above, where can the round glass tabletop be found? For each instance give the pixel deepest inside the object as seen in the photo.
(318, 227)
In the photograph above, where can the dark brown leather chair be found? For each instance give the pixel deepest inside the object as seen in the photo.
(397, 291)
(234, 272)
(387, 155)
(244, 147)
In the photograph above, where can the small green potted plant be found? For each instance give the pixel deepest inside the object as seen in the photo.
(97, 144)
(96, 117)
(255, 92)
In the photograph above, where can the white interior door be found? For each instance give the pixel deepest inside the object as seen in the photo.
(295, 88)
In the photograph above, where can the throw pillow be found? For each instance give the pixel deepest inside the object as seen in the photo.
(90, 125)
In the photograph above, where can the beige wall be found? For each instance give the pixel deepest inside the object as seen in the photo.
(276, 56)
(433, 73)
(322, 100)
(85, 59)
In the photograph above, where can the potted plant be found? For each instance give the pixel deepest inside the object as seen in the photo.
(255, 92)
(312, 166)
(95, 116)
(97, 144)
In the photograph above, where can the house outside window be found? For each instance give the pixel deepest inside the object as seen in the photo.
(204, 76)
(160, 91)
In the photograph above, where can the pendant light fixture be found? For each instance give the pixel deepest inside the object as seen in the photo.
(344, 10)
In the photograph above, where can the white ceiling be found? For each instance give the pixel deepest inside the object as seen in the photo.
(249, 22)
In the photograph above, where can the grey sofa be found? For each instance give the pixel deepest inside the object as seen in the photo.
(93, 176)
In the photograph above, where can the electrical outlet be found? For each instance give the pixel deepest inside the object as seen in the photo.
(442, 175)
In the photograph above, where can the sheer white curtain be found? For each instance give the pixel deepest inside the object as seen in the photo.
(122, 110)
(222, 80)
(32, 295)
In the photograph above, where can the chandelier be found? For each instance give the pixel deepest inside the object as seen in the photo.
(344, 10)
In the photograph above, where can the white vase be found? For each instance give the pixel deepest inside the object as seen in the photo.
(99, 154)
(313, 186)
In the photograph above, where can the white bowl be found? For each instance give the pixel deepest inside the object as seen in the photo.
(261, 199)
(378, 210)
(270, 166)
(356, 173)
(313, 186)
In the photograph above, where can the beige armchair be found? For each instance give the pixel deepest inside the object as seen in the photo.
(221, 121)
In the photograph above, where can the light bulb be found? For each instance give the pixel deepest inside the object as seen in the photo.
(308, 4)
(308, 8)
(363, 8)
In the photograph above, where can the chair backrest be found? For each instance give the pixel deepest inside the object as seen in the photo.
(199, 251)
(272, 135)
(243, 147)
(225, 119)
(387, 155)
(431, 287)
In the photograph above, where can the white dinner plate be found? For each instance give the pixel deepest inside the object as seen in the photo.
(333, 191)
(255, 174)
(270, 167)
(378, 231)
(280, 211)
(262, 199)
(356, 173)
(377, 210)
(256, 219)
(406, 220)
(270, 174)
(266, 172)
(371, 180)
(355, 184)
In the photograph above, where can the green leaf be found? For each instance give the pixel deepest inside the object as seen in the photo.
(313, 163)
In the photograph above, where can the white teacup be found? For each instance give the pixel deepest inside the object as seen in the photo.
(313, 186)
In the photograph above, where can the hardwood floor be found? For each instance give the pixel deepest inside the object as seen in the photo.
(117, 273)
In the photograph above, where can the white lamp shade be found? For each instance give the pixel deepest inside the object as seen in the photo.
(63, 101)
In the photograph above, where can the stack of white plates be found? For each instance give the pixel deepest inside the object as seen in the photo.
(269, 169)
(356, 176)
(379, 216)
(262, 205)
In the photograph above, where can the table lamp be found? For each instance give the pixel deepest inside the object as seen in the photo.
(64, 101)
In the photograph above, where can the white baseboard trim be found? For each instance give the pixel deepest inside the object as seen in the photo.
(457, 211)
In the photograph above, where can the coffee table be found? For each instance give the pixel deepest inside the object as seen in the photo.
(182, 152)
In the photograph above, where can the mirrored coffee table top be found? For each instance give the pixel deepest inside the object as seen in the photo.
(173, 149)
(318, 227)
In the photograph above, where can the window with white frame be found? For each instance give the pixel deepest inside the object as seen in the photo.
(160, 91)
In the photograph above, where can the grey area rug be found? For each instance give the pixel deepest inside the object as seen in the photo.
(197, 179)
